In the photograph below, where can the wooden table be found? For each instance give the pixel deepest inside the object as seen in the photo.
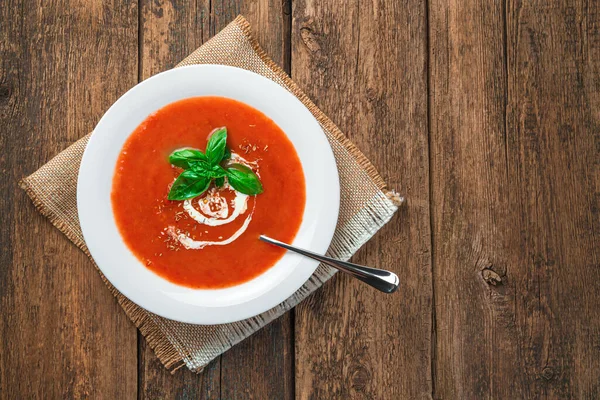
(484, 114)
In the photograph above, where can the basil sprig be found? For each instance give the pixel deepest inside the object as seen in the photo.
(201, 169)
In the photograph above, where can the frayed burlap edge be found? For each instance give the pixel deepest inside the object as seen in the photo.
(156, 339)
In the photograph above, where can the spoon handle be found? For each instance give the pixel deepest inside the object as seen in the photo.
(380, 279)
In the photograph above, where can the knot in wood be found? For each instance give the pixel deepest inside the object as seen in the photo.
(548, 373)
(491, 277)
(4, 93)
(359, 377)
(310, 39)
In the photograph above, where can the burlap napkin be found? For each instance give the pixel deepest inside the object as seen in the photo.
(365, 207)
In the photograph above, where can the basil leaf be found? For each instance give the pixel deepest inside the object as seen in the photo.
(217, 172)
(219, 182)
(188, 185)
(187, 158)
(202, 168)
(215, 149)
(242, 179)
(227, 154)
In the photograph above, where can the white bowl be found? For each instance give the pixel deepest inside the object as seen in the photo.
(143, 286)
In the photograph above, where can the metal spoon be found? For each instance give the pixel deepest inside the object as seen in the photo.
(380, 279)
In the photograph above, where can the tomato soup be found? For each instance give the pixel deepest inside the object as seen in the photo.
(210, 241)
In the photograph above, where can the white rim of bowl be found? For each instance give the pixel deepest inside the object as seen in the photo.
(273, 297)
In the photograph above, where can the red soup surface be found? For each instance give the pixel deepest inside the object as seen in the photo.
(151, 224)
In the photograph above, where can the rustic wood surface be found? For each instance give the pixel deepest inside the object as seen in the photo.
(352, 342)
(515, 151)
(62, 334)
(484, 114)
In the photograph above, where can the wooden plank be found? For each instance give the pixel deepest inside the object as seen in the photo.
(262, 366)
(364, 64)
(515, 143)
(170, 30)
(470, 197)
(157, 383)
(62, 334)
(270, 19)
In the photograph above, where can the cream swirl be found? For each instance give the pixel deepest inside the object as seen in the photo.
(240, 204)
(214, 211)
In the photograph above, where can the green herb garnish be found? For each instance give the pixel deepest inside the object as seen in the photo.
(187, 158)
(189, 185)
(215, 149)
(242, 179)
(201, 169)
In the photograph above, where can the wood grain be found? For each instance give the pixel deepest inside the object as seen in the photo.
(62, 334)
(169, 31)
(270, 20)
(155, 382)
(515, 141)
(364, 63)
(261, 367)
